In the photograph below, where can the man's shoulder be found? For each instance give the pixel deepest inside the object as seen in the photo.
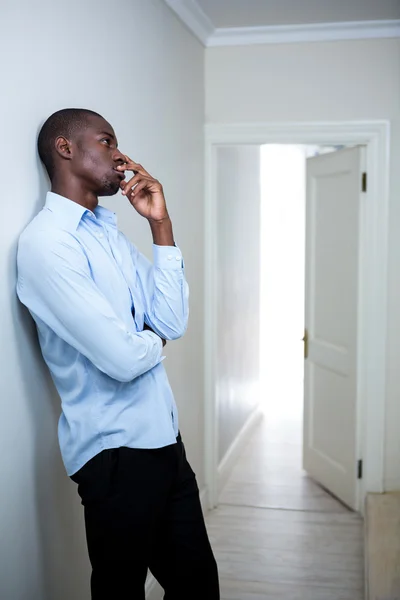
(43, 238)
(43, 230)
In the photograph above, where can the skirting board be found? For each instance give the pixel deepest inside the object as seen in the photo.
(153, 589)
(228, 462)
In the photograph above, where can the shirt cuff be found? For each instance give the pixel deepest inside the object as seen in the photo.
(167, 257)
(158, 341)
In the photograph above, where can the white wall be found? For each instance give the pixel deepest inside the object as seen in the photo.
(137, 65)
(238, 272)
(349, 80)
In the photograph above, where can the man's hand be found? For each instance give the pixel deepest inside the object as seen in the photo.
(147, 197)
(147, 328)
(144, 192)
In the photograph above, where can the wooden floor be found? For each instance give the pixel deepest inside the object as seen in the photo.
(278, 535)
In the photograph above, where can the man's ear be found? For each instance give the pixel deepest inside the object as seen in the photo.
(63, 147)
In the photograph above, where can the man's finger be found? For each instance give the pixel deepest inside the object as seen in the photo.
(127, 185)
(135, 181)
(140, 186)
(134, 166)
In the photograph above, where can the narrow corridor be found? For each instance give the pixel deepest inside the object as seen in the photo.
(276, 534)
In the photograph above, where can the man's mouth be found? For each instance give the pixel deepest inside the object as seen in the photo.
(120, 173)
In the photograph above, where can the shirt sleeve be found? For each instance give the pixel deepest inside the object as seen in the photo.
(55, 284)
(164, 290)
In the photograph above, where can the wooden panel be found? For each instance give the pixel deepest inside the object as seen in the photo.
(383, 546)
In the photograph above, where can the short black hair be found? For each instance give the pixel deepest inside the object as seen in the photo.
(64, 122)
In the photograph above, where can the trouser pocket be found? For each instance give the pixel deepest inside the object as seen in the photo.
(98, 479)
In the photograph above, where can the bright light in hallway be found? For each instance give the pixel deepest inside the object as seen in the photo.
(283, 170)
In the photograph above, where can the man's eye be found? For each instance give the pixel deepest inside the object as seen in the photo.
(106, 140)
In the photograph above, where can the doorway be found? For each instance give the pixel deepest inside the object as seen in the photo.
(373, 229)
(283, 171)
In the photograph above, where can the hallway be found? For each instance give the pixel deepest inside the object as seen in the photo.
(276, 534)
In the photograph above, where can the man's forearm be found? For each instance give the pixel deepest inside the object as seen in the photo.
(148, 328)
(162, 232)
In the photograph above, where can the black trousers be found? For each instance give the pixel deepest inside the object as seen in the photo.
(142, 511)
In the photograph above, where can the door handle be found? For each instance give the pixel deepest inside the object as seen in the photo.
(305, 340)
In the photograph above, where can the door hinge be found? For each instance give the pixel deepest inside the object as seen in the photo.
(305, 340)
(364, 182)
(359, 469)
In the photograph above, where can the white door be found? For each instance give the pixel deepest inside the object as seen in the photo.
(334, 193)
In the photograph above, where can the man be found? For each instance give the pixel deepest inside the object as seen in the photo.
(103, 313)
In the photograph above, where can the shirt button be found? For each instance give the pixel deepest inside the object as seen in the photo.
(178, 258)
(169, 257)
(100, 235)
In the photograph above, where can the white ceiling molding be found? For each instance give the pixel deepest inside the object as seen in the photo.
(199, 23)
(193, 17)
(318, 32)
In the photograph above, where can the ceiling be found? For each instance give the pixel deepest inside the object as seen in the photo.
(255, 13)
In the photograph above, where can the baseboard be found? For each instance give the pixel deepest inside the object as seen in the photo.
(153, 589)
(229, 460)
(391, 484)
(382, 546)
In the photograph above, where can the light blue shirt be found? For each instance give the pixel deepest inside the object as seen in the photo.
(80, 278)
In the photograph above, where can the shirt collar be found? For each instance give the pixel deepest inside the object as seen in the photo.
(103, 214)
(71, 213)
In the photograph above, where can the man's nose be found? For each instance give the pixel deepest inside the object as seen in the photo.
(118, 157)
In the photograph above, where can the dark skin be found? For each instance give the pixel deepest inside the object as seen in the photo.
(91, 165)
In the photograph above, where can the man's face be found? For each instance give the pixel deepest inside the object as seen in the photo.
(96, 157)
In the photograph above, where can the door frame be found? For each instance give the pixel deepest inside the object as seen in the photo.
(372, 310)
